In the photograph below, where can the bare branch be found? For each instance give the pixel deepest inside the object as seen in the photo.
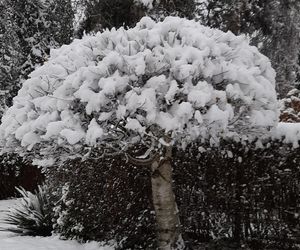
(142, 162)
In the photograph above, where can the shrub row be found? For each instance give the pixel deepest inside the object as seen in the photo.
(239, 195)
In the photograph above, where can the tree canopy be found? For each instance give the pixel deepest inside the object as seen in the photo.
(169, 82)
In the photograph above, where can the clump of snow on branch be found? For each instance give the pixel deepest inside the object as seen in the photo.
(174, 78)
(288, 133)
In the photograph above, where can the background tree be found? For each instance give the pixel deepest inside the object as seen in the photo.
(142, 92)
(159, 9)
(101, 14)
(28, 29)
(282, 42)
(272, 25)
(237, 16)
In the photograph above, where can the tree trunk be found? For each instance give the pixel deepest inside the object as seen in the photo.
(167, 217)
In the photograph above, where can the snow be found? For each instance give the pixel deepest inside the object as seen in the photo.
(9, 241)
(93, 133)
(4, 206)
(175, 76)
(288, 132)
(133, 124)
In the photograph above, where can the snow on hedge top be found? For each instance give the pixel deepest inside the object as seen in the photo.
(174, 77)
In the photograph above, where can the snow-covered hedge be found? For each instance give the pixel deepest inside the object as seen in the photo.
(214, 188)
(123, 87)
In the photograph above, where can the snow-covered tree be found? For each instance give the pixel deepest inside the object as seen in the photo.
(141, 92)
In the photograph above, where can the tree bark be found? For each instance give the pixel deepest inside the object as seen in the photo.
(167, 217)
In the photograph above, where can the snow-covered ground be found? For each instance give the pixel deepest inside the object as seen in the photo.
(9, 241)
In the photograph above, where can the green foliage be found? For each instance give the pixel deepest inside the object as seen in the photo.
(32, 216)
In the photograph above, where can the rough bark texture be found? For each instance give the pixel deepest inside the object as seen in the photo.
(167, 217)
